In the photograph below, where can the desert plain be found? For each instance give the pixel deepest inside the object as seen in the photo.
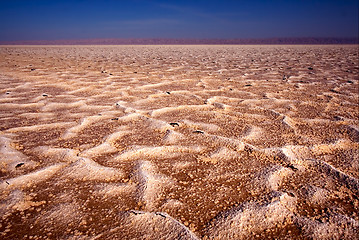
(179, 142)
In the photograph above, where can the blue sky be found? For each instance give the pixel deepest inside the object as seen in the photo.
(80, 19)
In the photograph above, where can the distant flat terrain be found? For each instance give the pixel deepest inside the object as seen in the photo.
(179, 142)
(185, 41)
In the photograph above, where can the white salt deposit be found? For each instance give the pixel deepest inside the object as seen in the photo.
(85, 169)
(31, 179)
(163, 152)
(179, 142)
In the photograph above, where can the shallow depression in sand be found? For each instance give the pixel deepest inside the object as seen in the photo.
(179, 142)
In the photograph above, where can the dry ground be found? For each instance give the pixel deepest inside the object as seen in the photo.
(179, 142)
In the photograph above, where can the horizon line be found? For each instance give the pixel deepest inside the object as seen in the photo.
(189, 41)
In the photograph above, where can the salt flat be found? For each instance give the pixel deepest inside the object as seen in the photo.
(179, 142)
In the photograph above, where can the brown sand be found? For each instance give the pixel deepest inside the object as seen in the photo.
(179, 142)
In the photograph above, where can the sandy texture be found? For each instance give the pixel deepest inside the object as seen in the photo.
(179, 142)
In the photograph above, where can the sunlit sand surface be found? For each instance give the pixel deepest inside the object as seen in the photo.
(179, 142)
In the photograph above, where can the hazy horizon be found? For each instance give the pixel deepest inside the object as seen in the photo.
(188, 41)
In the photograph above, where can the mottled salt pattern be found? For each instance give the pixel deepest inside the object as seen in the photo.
(179, 142)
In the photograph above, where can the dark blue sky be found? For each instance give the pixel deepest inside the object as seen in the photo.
(55, 19)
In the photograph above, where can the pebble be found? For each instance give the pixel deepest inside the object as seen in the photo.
(19, 165)
(173, 124)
